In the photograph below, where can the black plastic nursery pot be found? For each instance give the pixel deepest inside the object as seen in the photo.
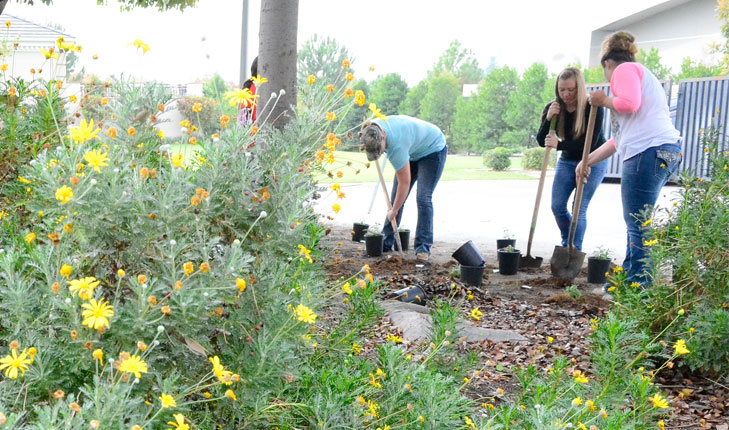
(468, 255)
(597, 269)
(508, 261)
(503, 243)
(472, 275)
(358, 231)
(374, 243)
(404, 239)
(413, 294)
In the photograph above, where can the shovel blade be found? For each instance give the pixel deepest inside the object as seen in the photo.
(529, 262)
(566, 262)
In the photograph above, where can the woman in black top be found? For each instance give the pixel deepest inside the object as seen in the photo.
(572, 111)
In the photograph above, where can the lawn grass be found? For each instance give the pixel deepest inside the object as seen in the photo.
(457, 168)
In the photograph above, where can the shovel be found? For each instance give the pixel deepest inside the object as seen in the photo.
(529, 262)
(389, 207)
(567, 260)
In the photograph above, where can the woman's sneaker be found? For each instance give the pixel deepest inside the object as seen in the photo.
(422, 256)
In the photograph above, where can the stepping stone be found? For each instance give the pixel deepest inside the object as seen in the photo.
(416, 325)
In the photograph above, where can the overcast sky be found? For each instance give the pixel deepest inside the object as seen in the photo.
(404, 36)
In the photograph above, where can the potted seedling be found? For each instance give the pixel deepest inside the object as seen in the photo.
(374, 241)
(507, 240)
(598, 265)
(404, 238)
(358, 231)
(508, 260)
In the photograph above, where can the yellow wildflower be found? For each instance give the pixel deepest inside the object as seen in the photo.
(179, 422)
(359, 97)
(580, 377)
(96, 159)
(84, 132)
(230, 394)
(223, 375)
(83, 286)
(476, 314)
(240, 96)
(680, 347)
(240, 284)
(177, 160)
(12, 363)
(310, 79)
(306, 253)
(167, 401)
(134, 364)
(98, 355)
(658, 401)
(377, 112)
(66, 271)
(97, 314)
(30, 237)
(305, 314)
(259, 80)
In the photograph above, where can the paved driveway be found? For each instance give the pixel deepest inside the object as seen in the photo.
(481, 210)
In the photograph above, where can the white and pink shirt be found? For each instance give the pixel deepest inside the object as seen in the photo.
(641, 118)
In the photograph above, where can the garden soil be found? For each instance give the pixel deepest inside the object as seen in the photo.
(531, 303)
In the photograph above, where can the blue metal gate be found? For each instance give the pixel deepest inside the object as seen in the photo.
(702, 103)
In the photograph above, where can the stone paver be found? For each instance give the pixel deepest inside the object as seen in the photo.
(416, 323)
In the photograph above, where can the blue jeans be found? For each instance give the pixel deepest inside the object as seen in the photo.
(426, 172)
(563, 186)
(643, 177)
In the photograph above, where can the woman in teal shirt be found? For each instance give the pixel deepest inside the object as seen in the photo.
(417, 150)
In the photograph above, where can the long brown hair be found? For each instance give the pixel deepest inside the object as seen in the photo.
(579, 127)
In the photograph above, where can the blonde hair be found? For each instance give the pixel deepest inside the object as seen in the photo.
(579, 128)
(619, 47)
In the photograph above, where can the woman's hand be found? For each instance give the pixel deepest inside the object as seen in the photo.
(597, 98)
(551, 141)
(582, 172)
(553, 110)
(392, 215)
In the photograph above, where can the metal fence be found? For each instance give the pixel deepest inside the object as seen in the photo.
(701, 104)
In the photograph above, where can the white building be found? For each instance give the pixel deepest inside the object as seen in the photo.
(677, 28)
(30, 39)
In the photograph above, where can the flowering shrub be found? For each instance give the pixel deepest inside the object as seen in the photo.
(688, 244)
(202, 111)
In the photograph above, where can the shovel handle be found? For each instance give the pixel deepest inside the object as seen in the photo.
(581, 183)
(389, 206)
(545, 163)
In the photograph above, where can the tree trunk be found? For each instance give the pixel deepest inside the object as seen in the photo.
(2, 5)
(277, 59)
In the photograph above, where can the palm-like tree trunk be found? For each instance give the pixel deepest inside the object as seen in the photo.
(277, 57)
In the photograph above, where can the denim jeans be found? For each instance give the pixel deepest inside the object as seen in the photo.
(643, 177)
(563, 186)
(426, 172)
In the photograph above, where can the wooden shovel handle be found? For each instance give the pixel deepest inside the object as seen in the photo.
(580, 182)
(545, 163)
(389, 206)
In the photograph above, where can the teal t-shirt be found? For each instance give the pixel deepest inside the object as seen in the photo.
(410, 139)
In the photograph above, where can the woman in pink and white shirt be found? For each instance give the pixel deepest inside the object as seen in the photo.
(645, 138)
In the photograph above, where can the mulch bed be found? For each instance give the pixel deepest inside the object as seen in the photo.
(533, 304)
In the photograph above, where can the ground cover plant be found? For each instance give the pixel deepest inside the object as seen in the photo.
(688, 243)
(144, 287)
